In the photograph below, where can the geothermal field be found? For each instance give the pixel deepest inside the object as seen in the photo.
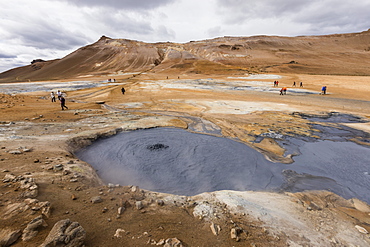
(200, 149)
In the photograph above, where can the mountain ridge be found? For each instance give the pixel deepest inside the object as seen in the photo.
(337, 54)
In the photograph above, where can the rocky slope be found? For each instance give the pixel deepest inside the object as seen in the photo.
(340, 54)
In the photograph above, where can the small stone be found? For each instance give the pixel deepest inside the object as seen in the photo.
(30, 201)
(58, 167)
(139, 205)
(173, 242)
(96, 199)
(74, 197)
(65, 172)
(104, 210)
(119, 233)
(161, 242)
(361, 229)
(215, 229)
(121, 210)
(160, 202)
(134, 188)
(15, 152)
(234, 234)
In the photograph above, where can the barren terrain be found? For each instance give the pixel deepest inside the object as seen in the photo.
(39, 140)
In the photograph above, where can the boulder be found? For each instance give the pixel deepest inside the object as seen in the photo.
(65, 234)
(8, 237)
(33, 227)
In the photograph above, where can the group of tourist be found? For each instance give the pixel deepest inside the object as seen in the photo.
(60, 98)
(300, 84)
(284, 89)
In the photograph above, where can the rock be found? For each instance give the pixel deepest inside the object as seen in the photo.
(160, 202)
(8, 178)
(161, 242)
(139, 205)
(58, 167)
(15, 152)
(234, 234)
(215, 229)
(173, 242)
(360, 205)
(8, 237)
(46, 211)
(119, 233)
(65, 233)
(134, 188)
(121, 210)
(36, 161)
(96, 199)
(32, 228)
(45, 208)
(361, 229)
(30, 201)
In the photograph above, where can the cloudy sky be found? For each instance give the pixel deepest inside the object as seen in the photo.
(49, 29)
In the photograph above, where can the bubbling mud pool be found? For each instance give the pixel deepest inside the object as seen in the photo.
(180, 162)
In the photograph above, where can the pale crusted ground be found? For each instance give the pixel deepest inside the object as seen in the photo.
(260, 218)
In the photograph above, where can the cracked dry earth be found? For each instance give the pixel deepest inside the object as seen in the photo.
(41, 176)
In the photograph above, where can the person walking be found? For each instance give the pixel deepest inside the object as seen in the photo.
(294, 84)
(59, 93)
(323, 90)
(52, 95)
(301, 84)
(63, 103)
(283, 91)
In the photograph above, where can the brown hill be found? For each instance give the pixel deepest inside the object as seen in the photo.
(339, 54)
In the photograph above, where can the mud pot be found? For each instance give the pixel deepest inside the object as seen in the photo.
(180, 162)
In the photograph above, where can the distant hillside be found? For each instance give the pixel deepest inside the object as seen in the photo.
(339, 54)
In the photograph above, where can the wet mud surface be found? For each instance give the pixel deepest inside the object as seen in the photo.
(180, 162)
